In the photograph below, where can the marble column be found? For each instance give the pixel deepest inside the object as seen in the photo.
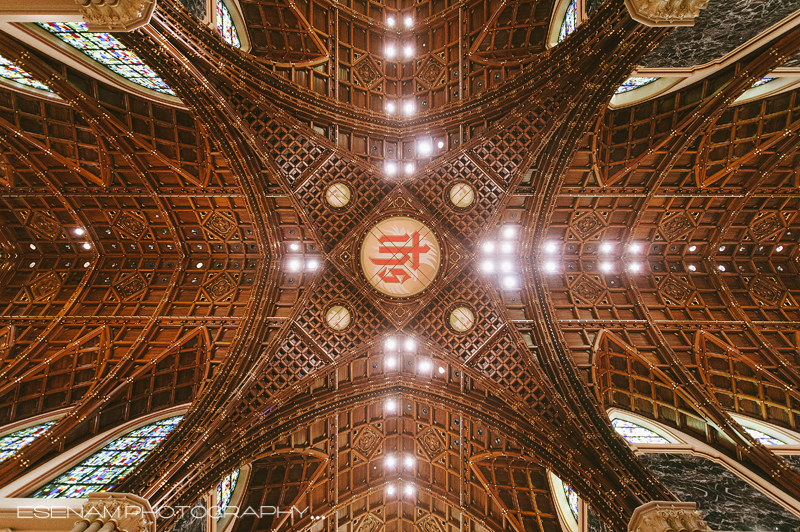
(100, 15)
(666, 516)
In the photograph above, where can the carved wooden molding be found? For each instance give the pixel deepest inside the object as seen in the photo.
(116, 15)
(665, 12)
(129, 512)
(100, 15)
(665, 516)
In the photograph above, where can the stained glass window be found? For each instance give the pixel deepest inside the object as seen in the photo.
(763, 438)
(224, 491)
(635, 433)
(762, 81)
(102, 470)
(108, 51)
(11, 71)
(572, 499)
(570, 21)
(225, 25)
(634, 83)
(17, 440)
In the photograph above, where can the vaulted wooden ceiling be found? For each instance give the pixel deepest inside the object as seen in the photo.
(191, 215)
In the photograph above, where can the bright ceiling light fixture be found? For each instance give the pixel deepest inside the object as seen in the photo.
(391, 108)
(509, 282)
(605, 266)
(408, 51)
(391, 406)
(550, 267)
(509, 231)
(635, 248)
(79, 231)
(408, 461)
(409, 168)
(390, 168)
(692, 249)
(408, 107)
(440, 144)
(87, 245)
(424, 147)
(408, 21)
(391, 344)
(634, 266)
(488, 266)
(390, 51)
(606, 247)
(312, 265)
(410, 344)
(390, 22)
(692, 268)
(408, 490)
(488, 247)
(294, 265)
(550, 247)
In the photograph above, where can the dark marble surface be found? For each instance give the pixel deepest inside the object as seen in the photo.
(595, 524)
(719, 29)
(195, 7)
(188, 523)
(794, 461)
(793, 61)
(726, 501)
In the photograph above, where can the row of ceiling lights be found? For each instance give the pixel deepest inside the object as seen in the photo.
(502, 251)
(424, 149)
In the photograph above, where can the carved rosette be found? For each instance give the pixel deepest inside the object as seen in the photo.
(45, 285)
(367, 442)
(665, 12)
(370, 523)
(116, 15)
(664, 516)
(130, 286)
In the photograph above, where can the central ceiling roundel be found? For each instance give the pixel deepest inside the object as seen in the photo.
(400, 257)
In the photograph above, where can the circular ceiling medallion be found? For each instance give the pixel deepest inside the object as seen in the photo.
(338, 317)
(338, 195)
(462, 195)
(400, 257)
(462, 319)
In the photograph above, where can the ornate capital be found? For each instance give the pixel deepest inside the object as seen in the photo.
(665, 516)
(131, 513)
(116, 15)
(665, 12)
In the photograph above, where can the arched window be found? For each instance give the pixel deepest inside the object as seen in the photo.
(109, 465)
(225, 25)
(225, 492)
(763, 438)
(762, 81)
(570, 21)
(567, 502)
(15, 441)
(572, 500)
(634, 433)
(636, 82)
(10, 71)
(109, 52)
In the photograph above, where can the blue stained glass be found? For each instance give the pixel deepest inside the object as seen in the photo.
(762, 81)
(225, 25)
(15, 441)
(9, 70)
(570, 21)
(102, 470)
(635, 433)
(109, 52)
(634, 83)
(572, 499)
(225, 491)
(764, 438)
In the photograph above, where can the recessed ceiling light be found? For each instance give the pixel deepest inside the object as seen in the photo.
(294, 247)
(33, 246)
(409, 168)
(408, 490)
(391, 406)
(408, 107)
(506, 247)
(390, 461)
(605, 266)
(86, 264)
(550, 267)
(441, 370)
(312, 265)
(32, 265)
(692, 249)
(87, 245)
(408, 21)
(634, 266)
(505, 266)
(390, 489)
(509, 282)
(410, 344)
(390, 108)
(408, 461)
(390, 22)
(606, 247)
(779, 249)
(440, 144)
(509, 231)
(721, 268)
(488, 247)
(635, 248)
(391, 344)
(391, 362)
(79, 231)
(294, 265)
(424, 148)
(550, 247)
(692, 268)
(425, 366)
(408, 51)
(390, 51)
(722, 248)
(488, 266)
(390, 168)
